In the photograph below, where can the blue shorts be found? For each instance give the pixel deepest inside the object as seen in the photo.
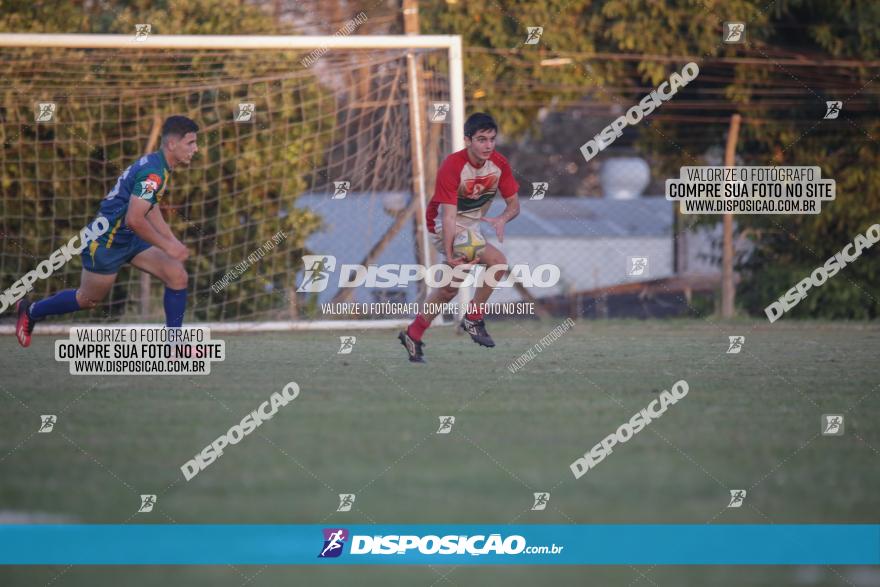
(99, 258)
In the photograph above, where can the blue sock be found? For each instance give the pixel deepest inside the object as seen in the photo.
(63, 302)
(175, 306)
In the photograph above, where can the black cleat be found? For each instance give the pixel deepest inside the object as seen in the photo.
(477, 330)
(25, 324)
(412, 346)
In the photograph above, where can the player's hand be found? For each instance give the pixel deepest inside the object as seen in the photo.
(178, 251)
(498, 224)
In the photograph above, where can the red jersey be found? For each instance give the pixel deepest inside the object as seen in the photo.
(457, 177)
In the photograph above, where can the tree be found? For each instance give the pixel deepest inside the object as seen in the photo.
(636, 39)
(241, 191)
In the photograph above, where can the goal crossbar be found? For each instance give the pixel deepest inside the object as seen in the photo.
(452, 43)
(87, 41)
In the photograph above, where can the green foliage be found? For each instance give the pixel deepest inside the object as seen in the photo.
(242, 186)
(786, 247)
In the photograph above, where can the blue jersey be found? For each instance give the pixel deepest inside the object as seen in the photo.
(146, 179)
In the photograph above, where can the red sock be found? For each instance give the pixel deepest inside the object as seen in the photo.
(474, 312)
(418, 328)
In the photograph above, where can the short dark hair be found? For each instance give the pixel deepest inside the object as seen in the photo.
(178, 126)
(479, 121)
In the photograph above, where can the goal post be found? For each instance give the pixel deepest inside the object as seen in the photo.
(309, 145)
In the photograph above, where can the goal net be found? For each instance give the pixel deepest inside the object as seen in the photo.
(307, 148)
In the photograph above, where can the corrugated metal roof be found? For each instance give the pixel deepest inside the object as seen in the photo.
(352, 226)
(590, 217)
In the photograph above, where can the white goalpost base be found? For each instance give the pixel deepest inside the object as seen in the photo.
(234, 327)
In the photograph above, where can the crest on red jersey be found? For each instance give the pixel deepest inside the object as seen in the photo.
(480, 185)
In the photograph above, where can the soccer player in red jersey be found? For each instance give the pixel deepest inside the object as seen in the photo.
(467, 182)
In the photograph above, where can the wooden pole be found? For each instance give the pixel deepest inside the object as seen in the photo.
(411, 27)
(418, 132)
(727, 289)
(411, 17)
(152, 145)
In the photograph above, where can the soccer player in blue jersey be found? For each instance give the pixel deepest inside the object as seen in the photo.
(138, 235)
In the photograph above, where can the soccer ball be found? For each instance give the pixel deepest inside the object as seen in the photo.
(469, 244)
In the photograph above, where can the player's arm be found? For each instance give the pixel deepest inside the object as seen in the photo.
(511, 208)
(508, 187)
(448, 214)
(511, 211)
(136, 219)
(157, 219)
(446, 194)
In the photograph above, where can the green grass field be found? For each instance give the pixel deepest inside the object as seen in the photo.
(366, 423)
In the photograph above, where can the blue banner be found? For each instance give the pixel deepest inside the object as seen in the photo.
(86, 544)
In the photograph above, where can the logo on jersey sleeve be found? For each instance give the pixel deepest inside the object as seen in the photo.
(149, 186)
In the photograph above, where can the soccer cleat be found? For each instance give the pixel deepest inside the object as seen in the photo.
(477, 330)
(25, 325)
(413, 347)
